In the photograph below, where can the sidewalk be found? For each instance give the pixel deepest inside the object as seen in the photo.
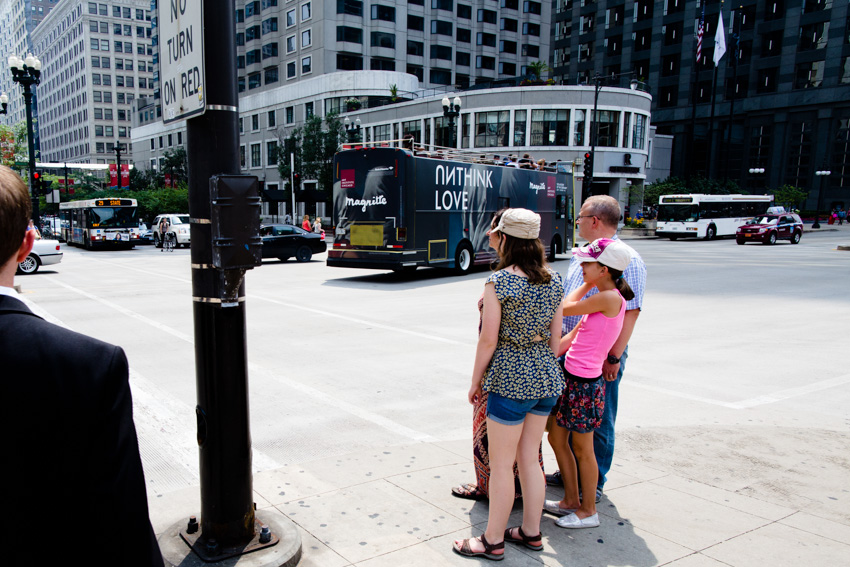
(394, 508)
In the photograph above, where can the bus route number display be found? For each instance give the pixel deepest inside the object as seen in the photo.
(181, 58)
(113, 202)
(677, 199)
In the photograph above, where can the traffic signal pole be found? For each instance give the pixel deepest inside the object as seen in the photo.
(229, 525)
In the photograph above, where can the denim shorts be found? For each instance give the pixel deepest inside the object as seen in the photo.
(512, 412)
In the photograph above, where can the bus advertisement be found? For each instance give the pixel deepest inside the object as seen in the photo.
(396, 210)
(706, 216)
(100, 223)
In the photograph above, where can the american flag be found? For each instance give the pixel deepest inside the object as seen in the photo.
(700, 31)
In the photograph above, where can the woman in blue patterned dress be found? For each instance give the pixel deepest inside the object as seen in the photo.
(515, 364)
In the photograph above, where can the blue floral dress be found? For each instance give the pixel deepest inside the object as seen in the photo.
(522, 368)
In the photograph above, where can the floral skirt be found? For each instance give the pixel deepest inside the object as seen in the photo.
(581, 406)
(480, 454)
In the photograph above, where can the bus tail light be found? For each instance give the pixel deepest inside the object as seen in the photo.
(401, 234)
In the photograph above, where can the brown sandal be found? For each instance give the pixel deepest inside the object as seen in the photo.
(469, 491)
(524, 539)
(466, 549)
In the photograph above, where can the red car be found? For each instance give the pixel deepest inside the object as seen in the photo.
(769, 228)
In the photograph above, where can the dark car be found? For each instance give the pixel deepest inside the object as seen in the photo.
(769, 228)
(283, 241)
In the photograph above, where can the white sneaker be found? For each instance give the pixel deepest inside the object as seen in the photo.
(574, 522)
(554, 508)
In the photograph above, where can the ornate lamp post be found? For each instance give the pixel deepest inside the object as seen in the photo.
(352, 131)
(599, 81)
(820, 173)
(451, 110)
(27, 72)
(4, 102)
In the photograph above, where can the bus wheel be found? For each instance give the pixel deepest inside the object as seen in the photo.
(554, 248)
(673, 237)
(710, 232)
(463, 258)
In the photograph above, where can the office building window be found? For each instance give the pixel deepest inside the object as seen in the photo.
(349, 34)
(550, 127)
(256, 157)
(346, 62)
(385, 13)
(491, 129)
(271, 153)
(440, 27)
(290, 114)
(464, 11)
(520, 122)
(254, 81)
(416, 23)
(290, 70)
(464, 35)
(441, 76)
(351, 7)
(383, 39)
(306, 65)
(270, 75)
(462, 58)
(441, 52)
(416, 70)
(416, 48)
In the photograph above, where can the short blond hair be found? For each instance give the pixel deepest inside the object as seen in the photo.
(15, 211)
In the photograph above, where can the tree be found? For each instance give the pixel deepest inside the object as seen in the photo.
(176, 163)
(698, 184)
(789, 196)
(13, 144)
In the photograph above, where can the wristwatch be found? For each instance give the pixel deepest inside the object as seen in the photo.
(613, 359)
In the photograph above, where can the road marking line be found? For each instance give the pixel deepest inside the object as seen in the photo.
(793, 392)
(326, 399)
(363, 321)
(351, 319)
(756, 401)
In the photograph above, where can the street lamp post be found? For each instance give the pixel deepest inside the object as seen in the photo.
(118, 162)
(27, 72)
(352, 130)
(754, 171)
(594, 125)
(451, 110)
(4, 102)
(820, 173)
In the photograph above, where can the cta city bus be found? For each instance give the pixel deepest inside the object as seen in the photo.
(707, 216)
(100, 223)
(398, 209)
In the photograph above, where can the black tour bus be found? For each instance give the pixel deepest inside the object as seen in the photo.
(398, 209)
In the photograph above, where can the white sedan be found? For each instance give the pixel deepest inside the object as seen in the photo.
(44, 252)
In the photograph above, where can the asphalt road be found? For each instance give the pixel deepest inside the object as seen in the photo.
(737, 371)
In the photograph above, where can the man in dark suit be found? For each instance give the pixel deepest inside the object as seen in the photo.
(71, 482)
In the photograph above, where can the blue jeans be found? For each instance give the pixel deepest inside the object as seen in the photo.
(603, 438)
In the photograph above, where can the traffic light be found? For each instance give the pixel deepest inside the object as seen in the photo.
(36, 182)
(46, 186)
(588, 166)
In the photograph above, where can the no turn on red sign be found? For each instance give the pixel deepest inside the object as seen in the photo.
(181, 58)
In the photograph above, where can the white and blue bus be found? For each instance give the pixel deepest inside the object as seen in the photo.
(100, 223)
(398, 209)
(706, 216)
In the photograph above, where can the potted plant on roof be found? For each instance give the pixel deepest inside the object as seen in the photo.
(535, 73)
(352, 104)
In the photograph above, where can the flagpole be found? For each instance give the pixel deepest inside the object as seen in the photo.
(719, 50)
(737, 39)
(692, 155)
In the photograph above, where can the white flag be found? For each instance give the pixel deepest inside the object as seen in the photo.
(719, 41)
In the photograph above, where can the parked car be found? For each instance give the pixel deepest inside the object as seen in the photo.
(179, 228)
(282, 241)
(769, 228)
(145, 234)
(44, 252)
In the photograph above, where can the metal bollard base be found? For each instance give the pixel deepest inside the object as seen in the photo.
(182, 549)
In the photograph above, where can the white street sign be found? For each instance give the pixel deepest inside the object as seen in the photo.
(181, 58)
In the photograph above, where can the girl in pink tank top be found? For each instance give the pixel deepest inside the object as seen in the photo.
(585, 348)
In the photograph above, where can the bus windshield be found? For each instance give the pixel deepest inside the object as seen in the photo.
(678, 213)
(113, 217)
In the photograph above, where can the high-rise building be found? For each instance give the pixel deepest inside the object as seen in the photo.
(786, 95)
(96, 59)
(18, 19)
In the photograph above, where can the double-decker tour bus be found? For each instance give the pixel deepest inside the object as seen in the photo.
(397, 208)
(707, 216)
(100, 223)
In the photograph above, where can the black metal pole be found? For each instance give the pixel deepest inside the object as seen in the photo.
(735, 37)
(594, 133)
(31, 149)
(118, 162)
(224, 438)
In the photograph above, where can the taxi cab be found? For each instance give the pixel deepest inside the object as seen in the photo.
(770, 227)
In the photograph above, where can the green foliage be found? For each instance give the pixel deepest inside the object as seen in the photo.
(176, 163)
(151, 202)
(393, 92)
(14, 144)
(789, 196)
(676, 186)
(537, 68)
(314, 146)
